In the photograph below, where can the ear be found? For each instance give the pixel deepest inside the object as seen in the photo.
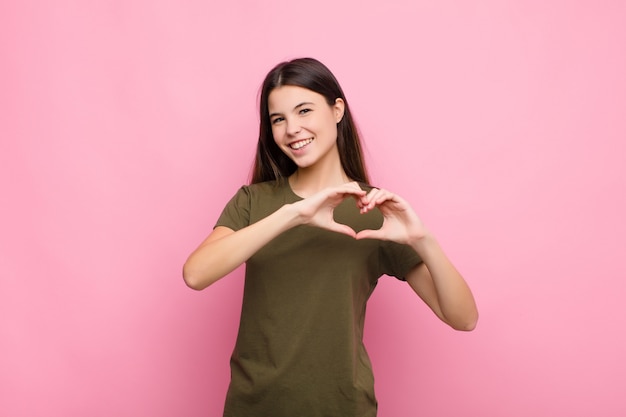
(338, 108)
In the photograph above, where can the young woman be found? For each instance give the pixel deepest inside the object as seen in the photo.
(315, 238)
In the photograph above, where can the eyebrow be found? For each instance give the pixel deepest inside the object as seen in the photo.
(295, 108)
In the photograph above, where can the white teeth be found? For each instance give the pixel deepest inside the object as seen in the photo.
(301, 143)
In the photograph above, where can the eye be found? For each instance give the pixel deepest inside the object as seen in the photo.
(304, 111)
(277, 120)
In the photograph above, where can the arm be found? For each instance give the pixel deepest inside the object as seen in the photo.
(224, 249)
(442, 288)
(436, 280)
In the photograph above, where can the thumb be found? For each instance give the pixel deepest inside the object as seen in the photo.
(342, 228)
(370, 234)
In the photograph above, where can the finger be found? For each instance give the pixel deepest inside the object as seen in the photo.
(385, 196)
(377, 197)
(382, 196)
(342, 228)
(372, 194)
(351, 188)
(364, 201)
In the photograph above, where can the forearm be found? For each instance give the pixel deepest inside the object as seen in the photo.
(454, 297)
(215, 258)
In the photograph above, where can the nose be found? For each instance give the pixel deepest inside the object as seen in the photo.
(293, 127)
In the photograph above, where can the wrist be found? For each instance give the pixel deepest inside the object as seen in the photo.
(424, 244)
(291, 215)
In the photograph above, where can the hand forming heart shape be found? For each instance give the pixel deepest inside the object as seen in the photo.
(400, 223)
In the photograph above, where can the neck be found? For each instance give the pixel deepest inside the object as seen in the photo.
(308, 181)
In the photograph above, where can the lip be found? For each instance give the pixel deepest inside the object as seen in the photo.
(309, 140)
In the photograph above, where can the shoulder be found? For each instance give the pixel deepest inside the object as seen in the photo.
(263, 198)
(264, 190)
(263, 186)
(251, 203)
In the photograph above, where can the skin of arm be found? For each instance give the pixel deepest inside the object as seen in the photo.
(436, 280)
(224, 249)
(441, 286)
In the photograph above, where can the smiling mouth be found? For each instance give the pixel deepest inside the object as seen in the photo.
(300, 144)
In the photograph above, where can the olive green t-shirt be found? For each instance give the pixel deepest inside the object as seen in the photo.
(299, 351)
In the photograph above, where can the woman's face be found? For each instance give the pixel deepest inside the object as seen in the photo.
(304, 126)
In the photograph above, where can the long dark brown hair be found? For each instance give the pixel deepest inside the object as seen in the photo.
(270, 162)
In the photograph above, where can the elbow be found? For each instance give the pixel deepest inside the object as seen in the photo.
(466, 327)
(466, 323)
(190, 279)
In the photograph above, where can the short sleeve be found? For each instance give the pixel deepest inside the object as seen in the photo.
(236, 214)
(397, 259)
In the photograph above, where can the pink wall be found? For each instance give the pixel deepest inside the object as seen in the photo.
(126, 125)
